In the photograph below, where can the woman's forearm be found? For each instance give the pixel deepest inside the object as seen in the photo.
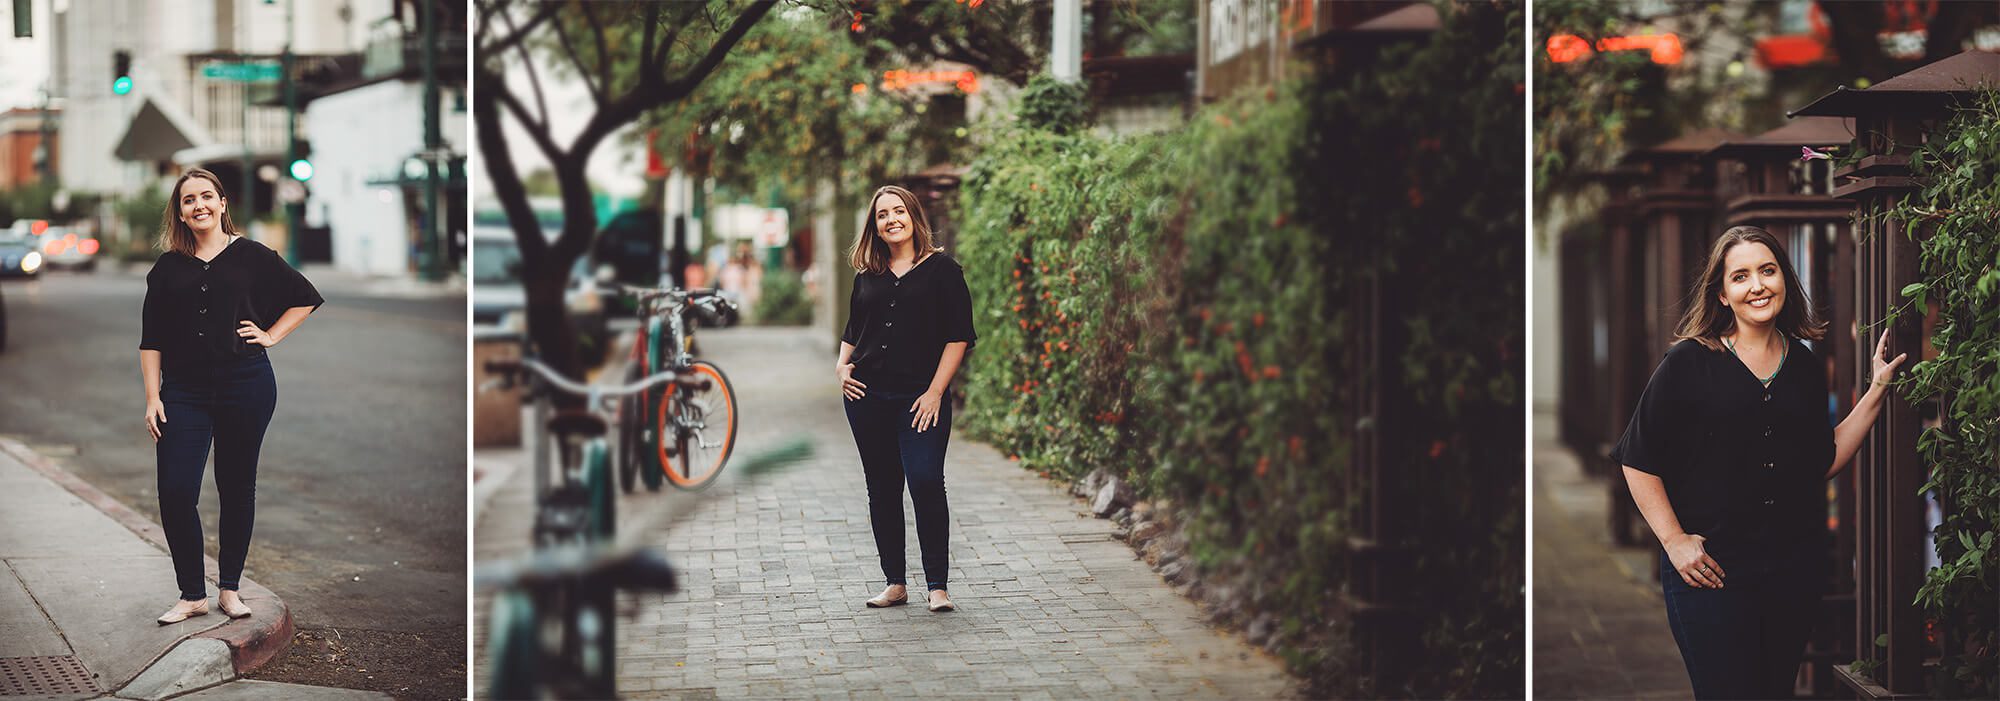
(287, 323)
(149, 373)
(1847, 436)
(1650, 493)
(846, 351)
(954, 353)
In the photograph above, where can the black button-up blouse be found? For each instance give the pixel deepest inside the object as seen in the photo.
(193, 308)
(899, 325)
(1744, 464)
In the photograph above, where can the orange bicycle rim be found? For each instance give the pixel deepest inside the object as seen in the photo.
(662, 434)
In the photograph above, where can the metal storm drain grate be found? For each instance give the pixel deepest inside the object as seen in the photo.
(45, 676)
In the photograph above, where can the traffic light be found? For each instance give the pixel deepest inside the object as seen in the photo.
(121, 72)
(302, 170)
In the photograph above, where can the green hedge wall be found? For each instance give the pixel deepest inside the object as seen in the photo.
(1175, 308)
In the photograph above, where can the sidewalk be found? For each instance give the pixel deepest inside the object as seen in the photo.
(85, 577)
(773, 574)
(1600, 626)
(327, 278)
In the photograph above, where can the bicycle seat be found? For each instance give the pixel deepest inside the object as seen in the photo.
(577, 424)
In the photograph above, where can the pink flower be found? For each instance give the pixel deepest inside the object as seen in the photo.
(1810, 154)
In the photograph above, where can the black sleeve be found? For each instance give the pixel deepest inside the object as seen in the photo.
(851, 335)
(286, 288)
(152, 321)
(956, 307)
(1655, 439)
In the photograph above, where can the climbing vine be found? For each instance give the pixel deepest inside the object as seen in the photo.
(1956, 217)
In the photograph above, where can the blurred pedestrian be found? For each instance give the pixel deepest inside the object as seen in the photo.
(1727, 456)
(909, 326)
(214, 303)
(743, 275)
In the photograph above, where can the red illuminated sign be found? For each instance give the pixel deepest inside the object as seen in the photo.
(967, 81)
(1662, 48)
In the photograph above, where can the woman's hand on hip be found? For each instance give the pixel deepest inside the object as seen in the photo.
(1691, 560)
(1882, 371)
(252, 334)
(926, 410)
(848, 385)
(156, 414)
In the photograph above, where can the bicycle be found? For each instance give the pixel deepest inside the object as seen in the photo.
(538, 611)
(692, 420)
(577, 513)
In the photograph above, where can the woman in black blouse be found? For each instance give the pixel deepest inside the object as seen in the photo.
(909, 325)
(1727, 456)
(214, 303)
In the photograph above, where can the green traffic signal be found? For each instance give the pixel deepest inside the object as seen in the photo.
(302, 170)
(122, 86)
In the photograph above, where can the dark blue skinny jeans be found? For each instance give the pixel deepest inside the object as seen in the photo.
(1745, 640)
(228, 404)
(893, 453)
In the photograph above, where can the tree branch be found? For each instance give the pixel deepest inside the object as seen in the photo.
(503, 178)
(582, 72)
(657, 61)
(653, 90)
(603, 54)
(534, 80)
(539, 131)
(542, 14)
(652, 20)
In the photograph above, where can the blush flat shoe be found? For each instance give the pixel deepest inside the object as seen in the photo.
(941, 606)
(883, 601)
(173, 616)
(238, 610)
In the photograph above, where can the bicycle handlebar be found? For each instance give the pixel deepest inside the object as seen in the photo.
(629, 568)
(647, 293)
(557, 380)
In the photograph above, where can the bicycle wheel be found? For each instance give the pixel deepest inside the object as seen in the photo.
(597, 483)
(513, 653)
(697, 421)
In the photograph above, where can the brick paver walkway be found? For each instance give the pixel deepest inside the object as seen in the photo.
(1600, 627)
(775, 573)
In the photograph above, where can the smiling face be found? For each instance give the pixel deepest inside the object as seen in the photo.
(892, 219)
(1753, 284)
(201, 205)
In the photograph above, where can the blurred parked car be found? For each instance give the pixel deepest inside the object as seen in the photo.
(63, 247)
(19, 255)
(500, 299)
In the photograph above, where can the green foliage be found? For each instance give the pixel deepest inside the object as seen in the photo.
(141, 212)
(1054, 105)
(782, 300)
(1956, 217)
(1180, 309)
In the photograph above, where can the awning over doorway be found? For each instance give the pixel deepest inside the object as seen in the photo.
(157, 132)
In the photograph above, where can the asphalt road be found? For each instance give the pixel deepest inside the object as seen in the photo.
(361, 486)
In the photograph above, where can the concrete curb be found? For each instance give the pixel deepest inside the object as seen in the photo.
(196, 663)
(251, 641)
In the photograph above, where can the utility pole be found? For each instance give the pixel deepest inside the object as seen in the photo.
(433, 260)
(1066, 56)
(293, 220)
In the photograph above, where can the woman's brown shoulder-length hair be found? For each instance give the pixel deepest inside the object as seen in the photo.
(1706, 320)
(870, 253)
(174, 234)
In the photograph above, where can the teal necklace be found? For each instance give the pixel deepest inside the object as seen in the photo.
(1774, 373)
